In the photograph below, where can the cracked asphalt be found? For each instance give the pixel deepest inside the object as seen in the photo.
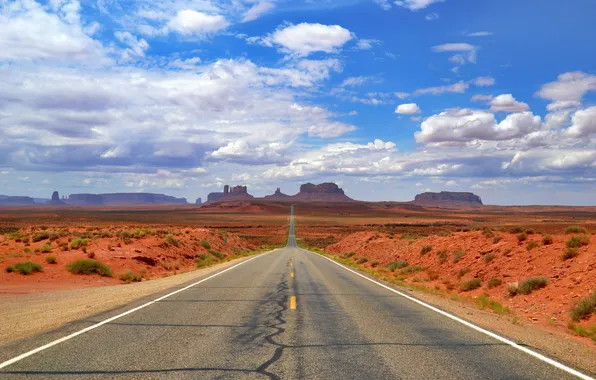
(239, 325)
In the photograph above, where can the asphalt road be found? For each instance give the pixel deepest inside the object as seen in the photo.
(243, 324)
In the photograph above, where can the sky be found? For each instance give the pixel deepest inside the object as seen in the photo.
(387, 98)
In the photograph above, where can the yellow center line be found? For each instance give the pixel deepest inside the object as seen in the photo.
(292, 302)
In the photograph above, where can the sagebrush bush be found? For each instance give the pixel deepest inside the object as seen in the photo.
(375, 263)
(25, 268)
(522, 237)
(517, 230)
(578, 241)
(392, 266)
(497, 239)
(585, 308)
(426, 249)
(443, 256)
(50, 260)
(129, 277)
(349, 254)
(487, 232)
(569, 253)
(575, 230)
(45, 248)
(204, 261)
(466, 286)
(494, 282)
(362, 260)
(170, 240)
(40, 236)
(89, 267)
(79, 243)
(457, 255)
(462, 272)
(531, 245)
(412, 269)
(489, 257)
(547, 240)
(217, 254)
(205, 244)
(532, 284)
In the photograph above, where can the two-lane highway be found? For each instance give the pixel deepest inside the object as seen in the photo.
(289, 314)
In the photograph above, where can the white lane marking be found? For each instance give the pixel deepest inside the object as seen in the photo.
(470, 325)
(58, 341)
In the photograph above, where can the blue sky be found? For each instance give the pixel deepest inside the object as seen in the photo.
(386, 98)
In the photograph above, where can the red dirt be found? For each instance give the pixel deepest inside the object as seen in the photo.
(569, 280)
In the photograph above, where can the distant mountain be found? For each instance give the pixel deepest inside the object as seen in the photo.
(324, 192)
(277, 196)
(236, 193)
(448, 199)
(123, 199)
(7, 200)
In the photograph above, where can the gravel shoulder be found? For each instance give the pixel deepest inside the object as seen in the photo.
(26, 315)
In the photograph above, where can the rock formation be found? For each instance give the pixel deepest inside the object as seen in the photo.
(236, 193)
(6, 200)
(277, 196)
(56, 201)
(324, 192)
(198, 201)
(448, 199)
(123, 199)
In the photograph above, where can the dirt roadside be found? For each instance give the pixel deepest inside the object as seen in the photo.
(26, 315)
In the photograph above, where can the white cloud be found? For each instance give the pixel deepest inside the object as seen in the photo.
(407, 109)
(329, 129)
(257, 10)
(563, 104)
(432, 16)
(451, 47)
(28, 32)
(136, 47)
(354, 81)
(415, 5)
(304, 39)
(481, 98)
(479, 34)
(484, 81)
(366, 44)
(466, 51)
(570, 86)
(459, 87)
(192, 23)
(401, 95)
(353, 113)
(583, 123)
(507, 103)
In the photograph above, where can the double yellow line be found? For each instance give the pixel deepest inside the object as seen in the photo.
(292, 298)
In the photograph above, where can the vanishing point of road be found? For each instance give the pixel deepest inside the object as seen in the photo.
(288, 314)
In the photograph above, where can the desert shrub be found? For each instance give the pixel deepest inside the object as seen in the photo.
(586, 332)
(40, 236)
(79, 243)
(51, 260)
(531, 245)
(462, 272)
(217, 254)
(349, 254)
(497, 239)
(529, 231)
(457, 255)
(569, 253)
(489, 257)
(91, 255)
(43, 227)
(578, 241)
(129, 277)
(89, 267)
(45, 248)
(444, 233)
(575, 230)
(392, 266)
(517, 230)
(205, 244)
(487, 232)
(466, 286)
(362, 260)
(170, 240)
(412, 269)
(412, 236)
(25, 268)
(426, 249)
(547, 240)
(494, 282)
(432, 275)
(204, 261)
(375, 263)
(585, 308)
(522, 237)
(532, 284)
(4, 230)
(443, 256)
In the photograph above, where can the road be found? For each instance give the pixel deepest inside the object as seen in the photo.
(289, 314)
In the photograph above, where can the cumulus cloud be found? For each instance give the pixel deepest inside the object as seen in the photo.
(484, 81)
(304, 39)
(189, 22)
(569, 87)
(465, 53)
(407, 109)
(459, 87)
(366, 44)
(415, 5)
(507, 103)
(583, 123)
(257, 10)
(479, 34)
